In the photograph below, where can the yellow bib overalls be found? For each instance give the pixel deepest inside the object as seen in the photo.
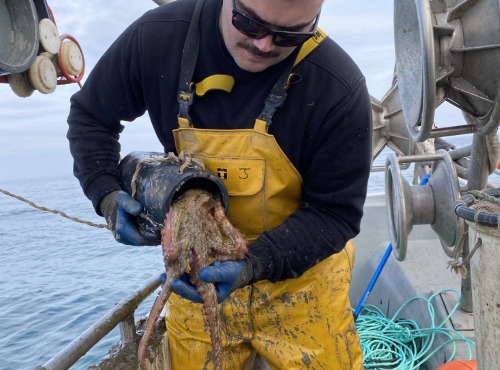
(298, 323)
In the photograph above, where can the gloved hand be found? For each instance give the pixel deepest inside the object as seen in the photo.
(120, 209)
(226, 276)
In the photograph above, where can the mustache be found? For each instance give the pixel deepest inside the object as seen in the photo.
(252, 49)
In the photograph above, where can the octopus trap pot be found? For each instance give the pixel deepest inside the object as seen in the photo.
(156, 180)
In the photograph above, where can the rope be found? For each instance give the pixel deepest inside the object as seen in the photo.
(45, 209)
(184, 158)
(400, 343)
(479, 195)
(456, 265)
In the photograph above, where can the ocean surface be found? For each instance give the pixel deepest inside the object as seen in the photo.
(57, 277)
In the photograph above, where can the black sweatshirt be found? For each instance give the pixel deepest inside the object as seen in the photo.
(324, 126)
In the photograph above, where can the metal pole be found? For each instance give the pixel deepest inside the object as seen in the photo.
(466, 303)
(451, 131)
(478, 170)
(81, 345)
(477, 180)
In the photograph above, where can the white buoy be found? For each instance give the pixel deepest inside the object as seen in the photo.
(49, 36)
(20, 85)
(72, 58)
(42, 74)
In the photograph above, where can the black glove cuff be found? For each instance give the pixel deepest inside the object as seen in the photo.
(246, 272)
(108, 207)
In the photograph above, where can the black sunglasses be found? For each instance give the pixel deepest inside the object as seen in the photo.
(256, 30)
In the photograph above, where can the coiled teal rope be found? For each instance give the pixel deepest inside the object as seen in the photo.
(394, 343)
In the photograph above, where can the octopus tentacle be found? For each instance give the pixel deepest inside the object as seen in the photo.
(238, 246)
(153, 317)
(193, 228)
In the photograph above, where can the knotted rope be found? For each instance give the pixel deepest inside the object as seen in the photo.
(457, 266)
(185, 159)
(479, 195)
(398, 343)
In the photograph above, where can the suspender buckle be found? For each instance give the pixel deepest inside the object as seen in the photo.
(185, 100)
(273, 102)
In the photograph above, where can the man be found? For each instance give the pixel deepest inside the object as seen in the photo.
(296, 169)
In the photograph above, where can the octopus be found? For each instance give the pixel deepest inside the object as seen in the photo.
(193, 230)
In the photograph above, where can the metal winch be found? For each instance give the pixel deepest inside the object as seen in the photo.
(448, 51)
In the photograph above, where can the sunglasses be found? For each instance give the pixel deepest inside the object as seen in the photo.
(256, 30)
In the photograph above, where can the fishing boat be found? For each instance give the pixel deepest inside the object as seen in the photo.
(447, 51)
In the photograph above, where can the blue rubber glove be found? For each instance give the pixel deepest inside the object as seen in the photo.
(120, 211)
(226, 276)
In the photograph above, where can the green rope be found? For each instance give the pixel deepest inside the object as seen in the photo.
(391, 343)
(479, 195)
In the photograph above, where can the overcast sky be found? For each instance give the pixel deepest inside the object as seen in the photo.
(33, 129)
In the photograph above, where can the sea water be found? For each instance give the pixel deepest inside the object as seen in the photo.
(57, 277)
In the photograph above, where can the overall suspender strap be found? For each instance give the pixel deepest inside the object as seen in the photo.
(277, 96)
(188, 65)
(311, 44)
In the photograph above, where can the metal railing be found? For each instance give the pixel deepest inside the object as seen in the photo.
(122, 314)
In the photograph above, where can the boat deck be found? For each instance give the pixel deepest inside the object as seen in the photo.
(423, 273)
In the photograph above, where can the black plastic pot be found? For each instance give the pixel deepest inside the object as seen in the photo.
(160, 183)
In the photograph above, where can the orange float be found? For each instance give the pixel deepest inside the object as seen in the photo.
(459, 365)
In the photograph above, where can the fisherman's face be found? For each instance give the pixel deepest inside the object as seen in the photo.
(255, 55)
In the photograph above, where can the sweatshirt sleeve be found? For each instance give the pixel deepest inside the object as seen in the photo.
(112, 93)
(335, 187)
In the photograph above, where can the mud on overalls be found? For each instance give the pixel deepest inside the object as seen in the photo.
(298, 323)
